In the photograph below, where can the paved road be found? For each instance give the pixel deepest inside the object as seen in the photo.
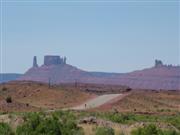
(98, 101)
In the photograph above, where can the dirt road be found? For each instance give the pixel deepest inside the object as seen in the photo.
(96, 102)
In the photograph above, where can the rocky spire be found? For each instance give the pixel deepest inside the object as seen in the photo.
(64, 61)
(158, 63)
(35, 62)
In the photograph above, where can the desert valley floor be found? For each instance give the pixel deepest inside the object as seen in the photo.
(118, 107)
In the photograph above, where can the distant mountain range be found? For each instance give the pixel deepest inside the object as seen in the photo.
(5, 77)
(55, 70)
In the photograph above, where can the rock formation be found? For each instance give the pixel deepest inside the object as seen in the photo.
(35, 65)
(64, 60)
(54, 60)
(56, 70)
(158, 63)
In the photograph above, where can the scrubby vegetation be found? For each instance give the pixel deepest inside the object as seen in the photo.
(175, 121)
(119, 118)
(66, 123)
(58, 123)
(104, 131)
(9, 99)
(130, 118)
(5, 129)
(153, 130)
(37, 125)
(4, 88)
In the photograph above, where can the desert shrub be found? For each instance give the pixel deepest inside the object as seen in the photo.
(58, 123)
(64, 115)
(147, 130)
(37, 125)
(175, 121)
(128, 89)
(121, 133)
(69, 126)
(49, 126)
(152, 130)
(5, 129)
(104, 131)
(9, 99)
(4, 88)
(119, 118)
(170, 132)
(130, 118)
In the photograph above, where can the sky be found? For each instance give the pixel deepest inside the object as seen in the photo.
(109, 36)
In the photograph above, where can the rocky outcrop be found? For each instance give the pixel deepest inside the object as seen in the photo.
(54, 60)
(35, 65)
(158, 63)
(55, 69)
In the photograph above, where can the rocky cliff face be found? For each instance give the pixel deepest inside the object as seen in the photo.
(54, 60)
(55, 68)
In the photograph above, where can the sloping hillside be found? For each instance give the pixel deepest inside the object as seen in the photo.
(152, 78)
(163, 77)
(56, 71)
(147, 102)
(39, 95)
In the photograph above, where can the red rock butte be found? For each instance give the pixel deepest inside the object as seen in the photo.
(160, 76)
(54, 60)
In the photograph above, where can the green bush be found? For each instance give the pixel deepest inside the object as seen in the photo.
(59, 123)
(121, 133)
(37, 125)
(119, 118)
(49, 126)
(175, 121)
(69, 126)
(147, 130)
(9, 99)
(4, 89)
(5, 129)
(152, 130)
(170, 132)
(104, 131)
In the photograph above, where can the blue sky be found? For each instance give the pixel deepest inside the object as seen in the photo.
(94, 36)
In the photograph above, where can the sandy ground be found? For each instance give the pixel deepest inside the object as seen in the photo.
(96, 102)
